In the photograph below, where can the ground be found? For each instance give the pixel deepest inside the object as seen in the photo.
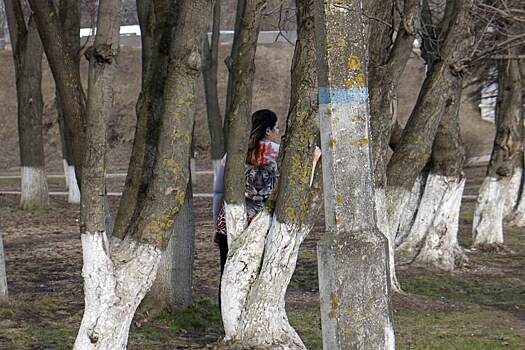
(44, 258)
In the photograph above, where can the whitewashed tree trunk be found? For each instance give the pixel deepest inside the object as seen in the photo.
(3, 275)
(487, 225)
(73, 190)
(438, 217)
(66, 176)
(512, 190)
(245, 252)
(113, 289)
(193, 172)
(514, 206)
(265, 323)
(407, 209)
(384, 228)
(35, 193)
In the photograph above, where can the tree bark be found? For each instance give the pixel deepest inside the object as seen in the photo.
(105, 323)
(432, 239)
(263, 323)
(414, 148)
(209, 74)
(3, 275)
(27, 54)
(117, 277)
(66, 75)
(353, 254)
(69, 17)
(235, 285)
(487, 226)
(387, 63)
(172, 289)
(157, 20)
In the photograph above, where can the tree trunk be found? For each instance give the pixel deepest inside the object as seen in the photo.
(239, 23)
(157, 21)
(433, 237)
(353, 254)
(487, 226)
(66, 75)
(414, 147)
(27, 55)
(3, 275)
(385, 72)
(514, 206)
(117, 278)
(172, 289)
(234, 284)
(262, 322)
(69, 16)
(209, 74)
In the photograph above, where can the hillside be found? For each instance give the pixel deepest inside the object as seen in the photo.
(272, 90)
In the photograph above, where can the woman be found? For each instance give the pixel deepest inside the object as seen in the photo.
(260, 173)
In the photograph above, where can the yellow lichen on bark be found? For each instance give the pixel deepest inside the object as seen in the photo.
(335, 305)
(354, 63)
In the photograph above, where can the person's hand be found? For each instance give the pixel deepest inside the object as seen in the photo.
(215, 239)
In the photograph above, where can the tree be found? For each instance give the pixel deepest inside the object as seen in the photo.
(172, 287)
(119, 270)
(353, 253)
(262, 256)
(3, 274)
(387, 62)
(215, 122)
(501, 187)
(66, 75)
(439, 92)
(432, 238)
(27, 54)
(69, 16)
(487, 226)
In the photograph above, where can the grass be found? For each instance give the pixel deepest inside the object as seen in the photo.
(469, 329)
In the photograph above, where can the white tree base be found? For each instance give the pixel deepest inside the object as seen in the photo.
(514, 205)
(264, 325)
(439, 218)
(487, 225)
(384, 228)
(34, 190)
(433, 235)
(244, 258)
(113, 289)
(74, 191)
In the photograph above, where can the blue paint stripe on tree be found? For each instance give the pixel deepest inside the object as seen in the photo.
(344, 96)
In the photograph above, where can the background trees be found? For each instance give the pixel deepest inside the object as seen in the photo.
(27, 54)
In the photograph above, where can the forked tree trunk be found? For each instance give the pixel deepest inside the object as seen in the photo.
(414, 148)
(236, 279)
(118, 276)
(432, 240)
(487, 226)
(27, 55)
(262, 262)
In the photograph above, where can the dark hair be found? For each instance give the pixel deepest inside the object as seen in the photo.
(261, 121)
